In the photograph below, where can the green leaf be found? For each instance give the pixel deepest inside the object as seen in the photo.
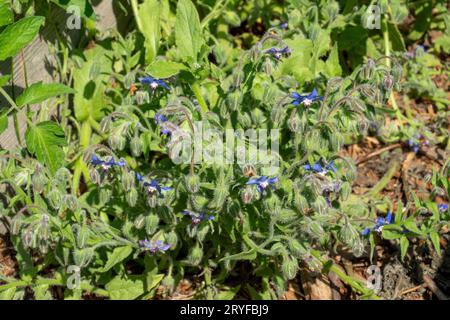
(18, 35)
(391, 234)
(412, 226)
(164, 69)
(435, 240)
(188, 35)
(125, 288)
(6, 15)
(38, 92)
(86, 9)
(118, 255)
(332, 65)
(247, 255)
(149, 16)
(44, 140)
(89, 99)
(3, 123)
(396, 38)
(4, 79)
(228, 294)
(404, 243)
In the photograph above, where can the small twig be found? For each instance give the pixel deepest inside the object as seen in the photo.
(411, 290)
(378, 152)
(434, 288)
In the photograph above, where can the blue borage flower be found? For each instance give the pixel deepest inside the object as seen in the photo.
(159, 118)
(379, 223)
(154, 247)
(319, 168)
(153, 186)
(263, 182)
(278, 53)
(197, 217)
(106, 165)
(442, 207)
(284, 25)
(153, 83)
(306, 99)
(413, 53)
(416, 142)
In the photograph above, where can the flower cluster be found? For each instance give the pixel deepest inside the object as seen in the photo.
(154, 247)
(306, 99)
(262, 183)
(197, 217)
(380, 222)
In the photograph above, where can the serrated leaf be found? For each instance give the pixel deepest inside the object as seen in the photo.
(188, 35)
(118, 255)
(125, 288)
(149, 14)
(404, 244)
(18, 35)
(39, 92)
(6, 15)
(44, 140)
(164, 69)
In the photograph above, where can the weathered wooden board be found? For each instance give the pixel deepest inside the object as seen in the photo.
(39, 61)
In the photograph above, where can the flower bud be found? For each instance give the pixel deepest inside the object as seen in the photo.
(192, 183)
(105, 195)
(294, 122)
(142, 97)
(289, 267)
(320, 205)
(132, 197)
(82, 257)
(345, 191)
(82, 236)
(105, 125)
(234, 100)
(136, 146)
(244, 119)
(296, 248)
(71, 202)
(22, 177)
(151, 224)
(268, 66)
(128, 180)
(55, 198)
(247, 195)
(195, 255)
(94, 175)
(368, 69)
(172, 238)
(300, 202)
(152, 201)
(199, 202)
(388, 82)
(139, 222)
(38, 181)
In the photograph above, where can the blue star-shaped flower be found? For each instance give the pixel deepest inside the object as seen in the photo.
(319, 168)
(278, 53)
(442, 207)
(263, 182)
(153, 83)
(154, 247)
(159, 118)
(307, 99)
(197, 217)
(379, 223)
(106, 165)
(153, 186)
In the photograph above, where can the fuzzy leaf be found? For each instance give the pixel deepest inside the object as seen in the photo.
(121, 288)
(118, 255)
(188, 35)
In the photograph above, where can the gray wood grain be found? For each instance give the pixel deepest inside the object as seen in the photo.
(39, 61)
